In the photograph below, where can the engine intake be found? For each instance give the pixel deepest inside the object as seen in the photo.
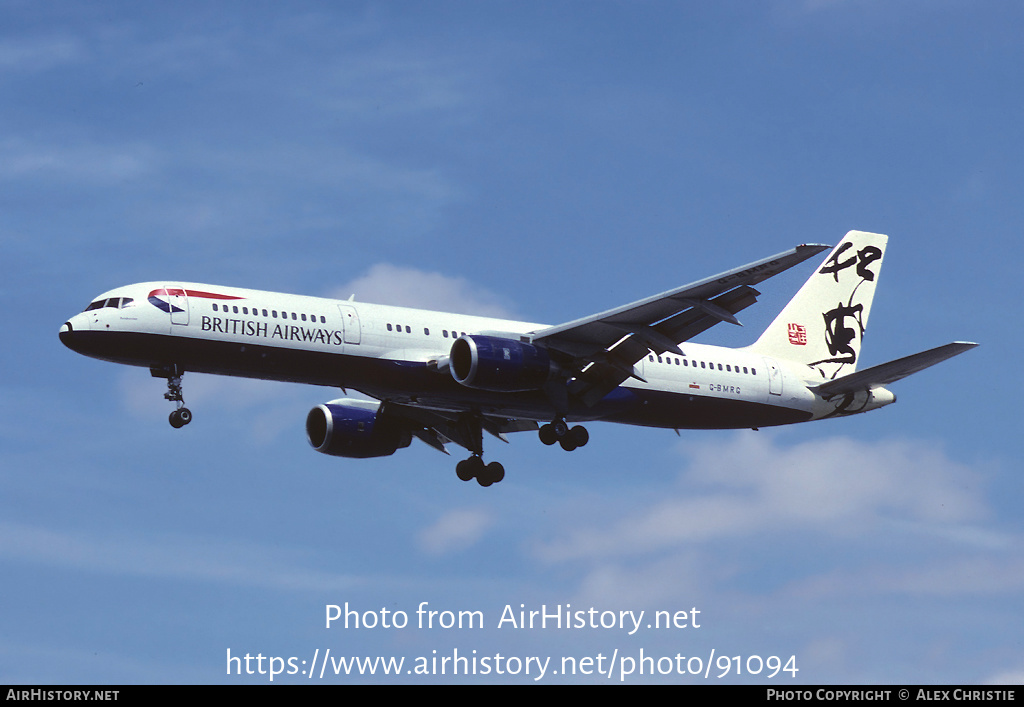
(355, 429)
(494, 363)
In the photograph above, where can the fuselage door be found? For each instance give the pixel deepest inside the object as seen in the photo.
(774, 377)
(178, 301)
(350, 323)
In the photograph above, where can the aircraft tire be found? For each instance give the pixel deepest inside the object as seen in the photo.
(464, 470)
(496, 472)
(579, 435)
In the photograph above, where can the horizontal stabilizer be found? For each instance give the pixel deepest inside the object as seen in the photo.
(886, 373)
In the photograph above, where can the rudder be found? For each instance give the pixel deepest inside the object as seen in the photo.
(824, 324)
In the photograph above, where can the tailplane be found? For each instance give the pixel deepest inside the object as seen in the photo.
(824, 324)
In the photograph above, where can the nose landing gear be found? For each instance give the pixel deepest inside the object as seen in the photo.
(182, 415)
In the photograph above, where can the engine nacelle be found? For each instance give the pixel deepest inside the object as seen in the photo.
(494, 363)
(355, 428)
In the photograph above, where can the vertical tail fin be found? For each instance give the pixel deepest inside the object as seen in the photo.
(823, 325)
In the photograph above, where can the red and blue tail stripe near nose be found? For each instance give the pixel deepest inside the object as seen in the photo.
(166, 292)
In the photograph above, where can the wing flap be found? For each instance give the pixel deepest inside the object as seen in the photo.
(437, 428)
(611, 368)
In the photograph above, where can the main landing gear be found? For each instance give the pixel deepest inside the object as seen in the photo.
(470, 429)
(485, 474)
(182, 415)
(559, 431)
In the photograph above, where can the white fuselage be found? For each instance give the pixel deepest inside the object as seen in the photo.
(401, 354)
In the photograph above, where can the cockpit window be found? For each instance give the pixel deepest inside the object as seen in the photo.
(115, 302)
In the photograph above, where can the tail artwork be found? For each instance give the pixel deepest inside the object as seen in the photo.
(823, 327)
(824, 324)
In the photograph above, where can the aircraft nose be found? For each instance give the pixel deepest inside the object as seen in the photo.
(67, 334)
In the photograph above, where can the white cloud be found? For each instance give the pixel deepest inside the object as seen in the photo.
(751, 485)
(35, 54)
(85, 163)
(948, 577)
(454, 531)
(409, 287)
(1006, 677)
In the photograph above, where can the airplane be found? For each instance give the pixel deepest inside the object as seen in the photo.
(446, 378)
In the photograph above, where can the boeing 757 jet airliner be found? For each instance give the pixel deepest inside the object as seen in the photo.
(447, 378)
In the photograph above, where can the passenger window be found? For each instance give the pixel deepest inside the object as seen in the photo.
(303, 317)
(408, 329)
(389, 327)
(426, 332)
(444, 333)
(235, 310)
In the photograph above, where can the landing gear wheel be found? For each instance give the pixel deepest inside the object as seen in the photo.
(474, 468)
(579, 435)
(568, 439)
(181, 417)
(560, 428)
(470, 468)
(464, 469)
(495, 472)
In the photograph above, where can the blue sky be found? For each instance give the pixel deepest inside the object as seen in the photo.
(535, 160)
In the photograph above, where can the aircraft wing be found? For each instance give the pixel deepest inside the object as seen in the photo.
(890, 372)
(602, 349)
(438, 428)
